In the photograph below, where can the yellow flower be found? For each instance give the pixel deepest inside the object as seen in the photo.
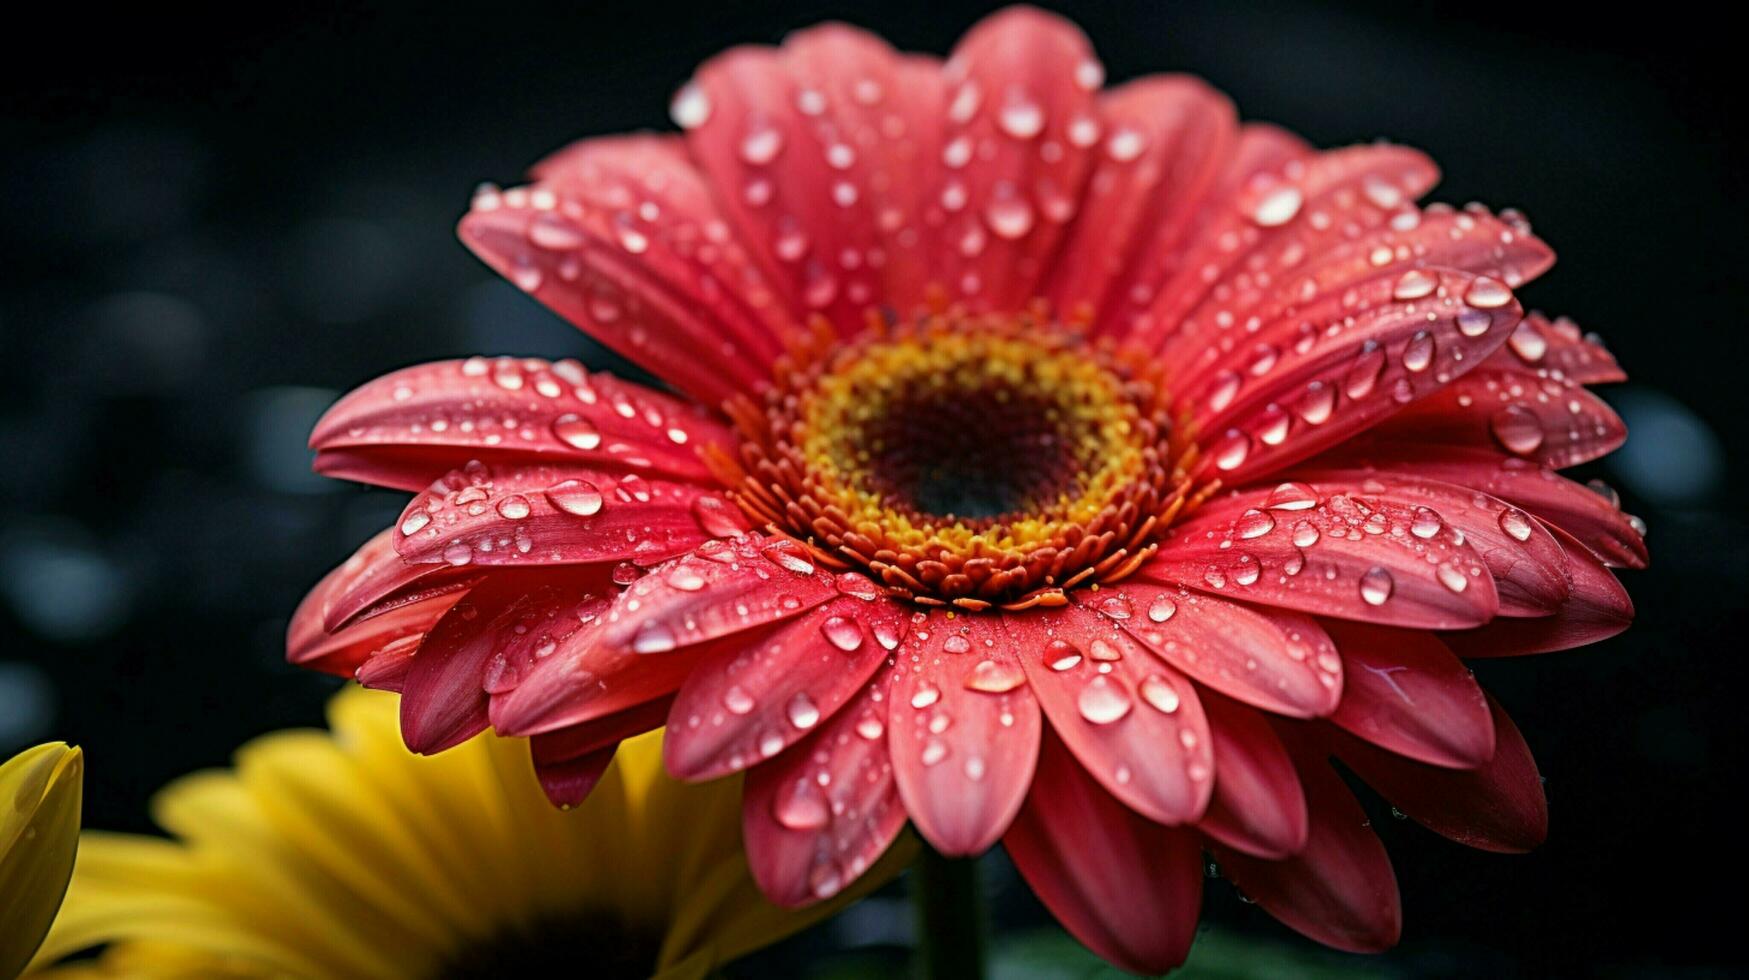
(343, 855)
(39, 833)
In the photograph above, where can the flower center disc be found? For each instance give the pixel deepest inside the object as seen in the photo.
(972, 461)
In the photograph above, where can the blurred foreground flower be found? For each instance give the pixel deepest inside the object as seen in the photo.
(1075, 468)
(40, 789)
(343, 855)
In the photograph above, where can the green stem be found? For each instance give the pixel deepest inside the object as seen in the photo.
(950, 917)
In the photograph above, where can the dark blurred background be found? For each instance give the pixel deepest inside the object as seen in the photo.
(215, 223)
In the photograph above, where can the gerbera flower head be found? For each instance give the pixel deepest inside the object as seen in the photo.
(40, 791)
(341, 854)
(1073, 467)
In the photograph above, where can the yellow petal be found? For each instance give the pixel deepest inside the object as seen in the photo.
(40, 792)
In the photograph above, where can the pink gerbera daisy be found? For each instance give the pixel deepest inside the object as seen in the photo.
(1078, 469)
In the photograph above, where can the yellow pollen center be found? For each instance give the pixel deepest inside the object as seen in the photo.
(972, 461)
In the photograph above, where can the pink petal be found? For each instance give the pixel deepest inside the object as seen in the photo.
(314, 638)
(1406, 693)
(1339, 364)
(1128, 888)
(387, 669)
(1263, 153)
(1527, 564)
(1302, 209)
(1165, 142)
(567, 783)
(558, 515)
(620, 237)
(1583, 513)
(375, 581)
(653, 634)
(1339, 889)
(1331, 551)
(819, 815)
(727, 586)
(964, 736)
(1471, 240)
(1134, 723)
(1597, 608)
(580, 740)
(1498, 806)
(1257, 807)
(822, 153)
(570, 761)
(406, 428)
(1548, 420)
(504, 625)
(1018, 84)
(1539, 344)
(1275, 660)
(735, 711)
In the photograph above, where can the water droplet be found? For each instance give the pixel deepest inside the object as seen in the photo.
(1231, 451)
(1278, 207)
(1162, 609)
(870, 726)
(1103, 701)
(1529, 344)
(788, 555)
(1305, 534)
(691, 107)
(802, 711)
(1061, 655)
(1426, 524)
(842, 632)
(1010, 216)
(1415, 284)
(1376, 585)
(1452, 577)
(1317, 403)
(993, 677)
(1021, 118)
(654, 637)
(1089, 75)
(514, 507)
(826, 880)
(1292, 496)
(934, 751)
(1117, 606)
(1418, 352)
(414, 523)
(1254, 523)
(956, 644)
(577, 432)
(761, 145)
(1474, 323)
(738, 702)
(801, 805)
(1125, 145)
(1487, 294)
(578, 498)
(1363, 374)
(458, 553)
(685, 578)
(1517, 428)
(1516, 523)
(925, 695)
(1160, 694)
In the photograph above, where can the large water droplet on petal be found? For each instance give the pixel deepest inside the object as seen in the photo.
(1104, 700)
(1376, 585)
(1517, 428)
(842, 632)
(801, 805)
(578, 498)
